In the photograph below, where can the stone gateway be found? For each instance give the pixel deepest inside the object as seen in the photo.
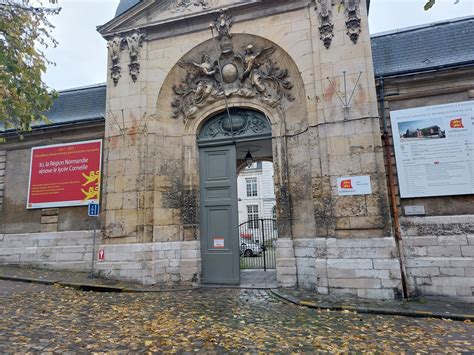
(192, 85)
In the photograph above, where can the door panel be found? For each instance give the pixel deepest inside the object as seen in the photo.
(219, 220)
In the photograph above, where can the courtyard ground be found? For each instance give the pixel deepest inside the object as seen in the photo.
(45, 318)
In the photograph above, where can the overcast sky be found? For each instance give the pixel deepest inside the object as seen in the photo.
(81, 56)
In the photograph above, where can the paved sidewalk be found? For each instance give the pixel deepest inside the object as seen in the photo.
(81, 280)
(421, 307)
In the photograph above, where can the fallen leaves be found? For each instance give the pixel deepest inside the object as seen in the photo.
(210, 320)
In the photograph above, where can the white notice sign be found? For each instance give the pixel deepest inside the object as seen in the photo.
(219, 243)
(434, 149)
(354, 185)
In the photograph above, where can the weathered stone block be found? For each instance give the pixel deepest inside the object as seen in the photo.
(341, 273)
(467, 250)
(49, 227)
(191, 245)
(286, 280)
(438, 290)
(349, 264)
(388, 264)
(461, 262)
(361, 243)
(415, 251)
(285, 262)
(427, 262)
(423, 271)
(380, 294)
(443, 251)
(286, 270)
(381, 274)
(391, 283)
(50, 212)
(452, 240)
(355, 283)
(114, 201)
(461, 281)
(49, 219)
(420, 241)
(452, 271)
(285, 253)
(363, 253)
(190, 254)
(284, 243)
(470, 239)
(304, 252)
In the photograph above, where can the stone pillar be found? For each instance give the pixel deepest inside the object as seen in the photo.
(286, 263)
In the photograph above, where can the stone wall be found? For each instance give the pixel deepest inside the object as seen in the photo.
(151, 263)
(366, 268)
(60, 250)
(148, 263)
(439, 255)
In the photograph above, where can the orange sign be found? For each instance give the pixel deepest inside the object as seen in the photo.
(456, 123)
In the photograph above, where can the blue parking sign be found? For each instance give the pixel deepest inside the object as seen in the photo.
(93, 209)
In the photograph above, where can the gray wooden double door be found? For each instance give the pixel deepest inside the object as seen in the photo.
(219, 215)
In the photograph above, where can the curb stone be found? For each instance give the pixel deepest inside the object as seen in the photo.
(29, 280)
(90, 287)
(372, 310)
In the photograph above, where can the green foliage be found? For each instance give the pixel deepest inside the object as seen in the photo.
(24, 31)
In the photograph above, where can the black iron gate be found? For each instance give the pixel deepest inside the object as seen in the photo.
(257, 244)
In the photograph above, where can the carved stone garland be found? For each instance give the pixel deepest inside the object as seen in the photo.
(353, 19)
(326, 28)
(250, 73)
(182, 5)
(115, 46)
(134, 42)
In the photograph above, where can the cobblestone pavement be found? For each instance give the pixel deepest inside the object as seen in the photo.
(48, 319)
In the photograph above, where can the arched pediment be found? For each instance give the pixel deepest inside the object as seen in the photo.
(238, 125)
(254, 69)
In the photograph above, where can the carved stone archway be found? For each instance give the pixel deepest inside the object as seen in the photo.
(238, 125)
(194, 89)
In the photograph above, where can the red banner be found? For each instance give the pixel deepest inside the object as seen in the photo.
(65, 174)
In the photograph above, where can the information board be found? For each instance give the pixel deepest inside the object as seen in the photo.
(434, 149)
(65, 175)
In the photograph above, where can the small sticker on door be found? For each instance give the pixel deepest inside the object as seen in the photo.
(219, 243)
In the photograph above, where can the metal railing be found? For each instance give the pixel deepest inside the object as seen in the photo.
(257, 244)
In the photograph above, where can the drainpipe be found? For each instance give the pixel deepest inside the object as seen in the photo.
(393, 196)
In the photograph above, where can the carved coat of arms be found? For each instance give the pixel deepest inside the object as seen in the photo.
(250, 73)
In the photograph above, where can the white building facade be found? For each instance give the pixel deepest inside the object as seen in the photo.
(256, 193)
